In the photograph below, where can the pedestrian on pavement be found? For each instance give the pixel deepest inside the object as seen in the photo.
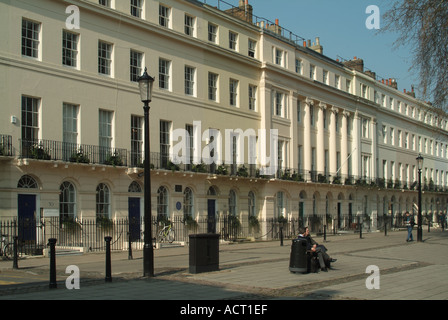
(409, 222)
(324, 259)
(442, 219)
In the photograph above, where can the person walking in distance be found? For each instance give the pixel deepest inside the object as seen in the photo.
(409, 222)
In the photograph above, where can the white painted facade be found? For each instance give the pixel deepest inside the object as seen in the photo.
(341, 132)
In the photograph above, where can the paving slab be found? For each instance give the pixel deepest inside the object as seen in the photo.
(258, 270)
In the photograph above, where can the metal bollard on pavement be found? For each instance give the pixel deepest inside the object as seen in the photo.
(130, 247)
(281, 235)
(52, 244)
(360, 222)
(15, 263)
(108, 260)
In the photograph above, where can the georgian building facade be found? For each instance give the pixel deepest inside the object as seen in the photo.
(72, 125)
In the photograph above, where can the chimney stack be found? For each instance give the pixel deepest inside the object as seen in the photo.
(317, 47)
(243, 12)
(357, 64)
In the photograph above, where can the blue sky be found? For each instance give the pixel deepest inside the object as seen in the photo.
(341, 27)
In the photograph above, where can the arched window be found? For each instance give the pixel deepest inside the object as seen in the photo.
(27, 182)
(280, 204)
(188, 202)
(102, 201)
(212, 191)
(162, 201)
(232, 203)
(251, 204)
(67, 201)
(134, 187)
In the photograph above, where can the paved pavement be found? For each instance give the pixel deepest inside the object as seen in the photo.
(249, 271)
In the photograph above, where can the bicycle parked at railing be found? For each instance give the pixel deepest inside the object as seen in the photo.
(6, 248)
(166, 234)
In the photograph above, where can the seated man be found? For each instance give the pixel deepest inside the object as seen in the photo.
(320, 250)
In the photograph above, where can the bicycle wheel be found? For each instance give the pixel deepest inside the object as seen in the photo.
(9, 252)
(161, 236)
(170, 236)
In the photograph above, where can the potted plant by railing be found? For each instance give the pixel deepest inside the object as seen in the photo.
(79, 157)
(200, 167)
(222, 169)
(234, 225)
(190, 223)
(172, 166)
(163, 220)
(254, 224)
(242, 171)
(70, 225)
(38, 152)
(361, 182)
(321, 178)
(296, 177)
(104, 222)
(114, 160)
(431, 186)
(337, 180)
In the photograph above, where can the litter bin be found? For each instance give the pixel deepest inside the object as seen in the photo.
(204, 252)
(298, 259)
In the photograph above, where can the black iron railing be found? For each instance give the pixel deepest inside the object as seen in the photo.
(72, 152)
(6, 148)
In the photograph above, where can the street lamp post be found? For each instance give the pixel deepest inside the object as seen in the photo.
(419, 217)
(145, 83)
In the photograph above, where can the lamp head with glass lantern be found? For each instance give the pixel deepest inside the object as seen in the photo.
(145, 83)
(420, 162)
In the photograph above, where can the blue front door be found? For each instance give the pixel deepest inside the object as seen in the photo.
(211, 220)
(26, 217)
(134, 218)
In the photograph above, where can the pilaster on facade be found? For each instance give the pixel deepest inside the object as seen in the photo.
(356, 145)
(307, 135)
(333, 156)
(321, 161)
(345, 154)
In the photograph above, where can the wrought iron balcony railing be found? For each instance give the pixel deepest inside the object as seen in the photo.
(72, 152)
(6, 148)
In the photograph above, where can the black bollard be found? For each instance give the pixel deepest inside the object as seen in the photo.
(360, 227)
(52, 244)
(15, 263)
(325, 233)
(385, 225)
(108, 260)
(281, 236)
(130, 247)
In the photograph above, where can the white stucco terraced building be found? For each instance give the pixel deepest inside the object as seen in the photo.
(71, 121)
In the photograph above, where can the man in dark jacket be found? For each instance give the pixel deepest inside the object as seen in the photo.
(324, 259)
(409, 221)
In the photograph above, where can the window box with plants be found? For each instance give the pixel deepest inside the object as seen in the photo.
(114, 160)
